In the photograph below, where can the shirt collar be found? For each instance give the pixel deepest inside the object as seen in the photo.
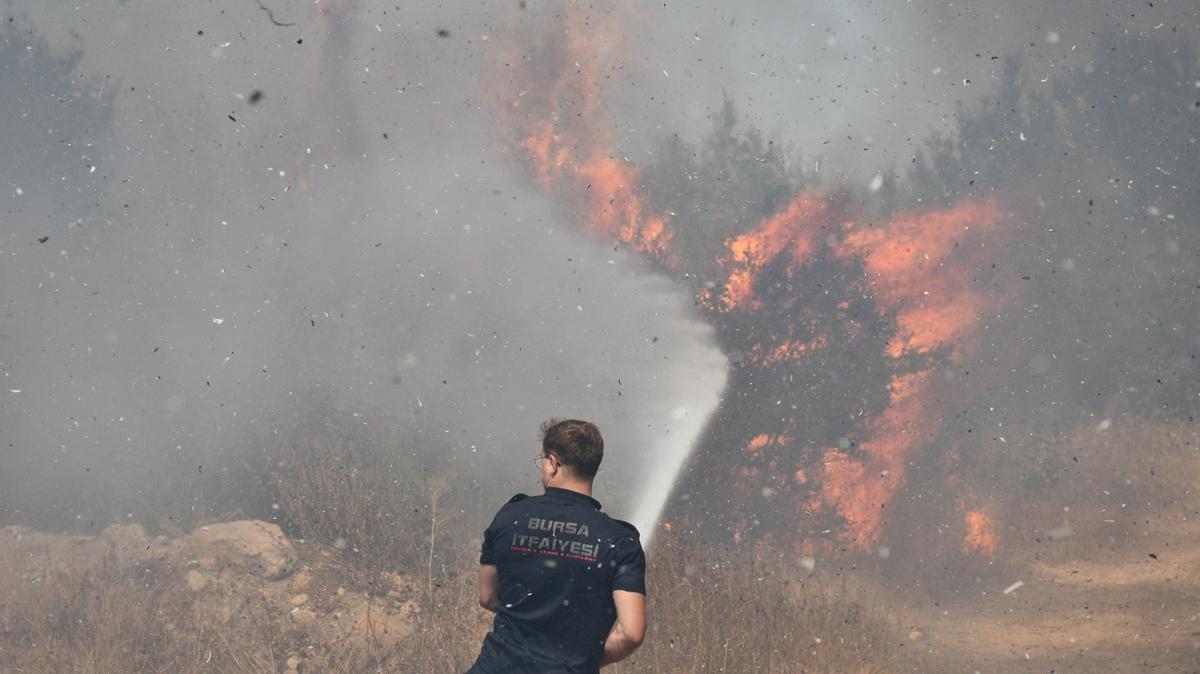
(573, 496)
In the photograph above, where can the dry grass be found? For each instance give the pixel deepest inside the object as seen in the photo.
(710, 611)
(108, 621)
(338, 485)
(706, 614)
(731, 611)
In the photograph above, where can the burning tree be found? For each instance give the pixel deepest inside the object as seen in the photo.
(838, 322)
(853, 319)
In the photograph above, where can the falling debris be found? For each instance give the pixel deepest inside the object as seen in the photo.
(847, 351)
(271, 15)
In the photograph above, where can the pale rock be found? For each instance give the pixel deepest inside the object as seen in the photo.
(196, 581)
(400, 588)
(303, 616)
(258, 546)
(371, 621)
(300, 581)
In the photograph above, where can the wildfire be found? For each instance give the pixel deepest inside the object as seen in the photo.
(860, 486)
(762, 441)
(912, 270)
(919, 269)
(557, 124)
(981, 534)
(766, 356)
(758, 442)
(788, 232)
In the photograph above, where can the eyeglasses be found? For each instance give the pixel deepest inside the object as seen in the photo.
(537, 460)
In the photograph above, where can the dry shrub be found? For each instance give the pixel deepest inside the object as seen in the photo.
(107, 620)
(334, 483)
(451, 628)
(708, 612)
(733, 611)
(448, 632)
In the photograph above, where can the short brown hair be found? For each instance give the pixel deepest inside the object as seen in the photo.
(574, 443)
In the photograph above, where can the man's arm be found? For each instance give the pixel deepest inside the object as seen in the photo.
(488, 581)
(629, 630)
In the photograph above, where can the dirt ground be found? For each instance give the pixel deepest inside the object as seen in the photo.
(1130, 604)
(1097, 604)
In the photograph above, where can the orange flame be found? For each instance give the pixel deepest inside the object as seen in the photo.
(981, 534)
(757, 443)
(767, 356)
(911, 270)
(790, 230)
(860, 487)
(569, 149)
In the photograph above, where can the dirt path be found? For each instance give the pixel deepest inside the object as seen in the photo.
(1131, 607)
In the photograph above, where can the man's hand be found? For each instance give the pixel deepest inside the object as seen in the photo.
(488, 582)
(630, 628)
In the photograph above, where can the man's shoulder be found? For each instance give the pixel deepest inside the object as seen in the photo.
(517, 501)
(628, 527)
(623, 528)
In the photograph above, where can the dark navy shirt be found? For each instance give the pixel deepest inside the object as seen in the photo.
(559, 558)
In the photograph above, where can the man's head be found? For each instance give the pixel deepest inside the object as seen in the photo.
(572, 452)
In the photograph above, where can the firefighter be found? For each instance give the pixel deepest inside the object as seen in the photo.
(565, 580)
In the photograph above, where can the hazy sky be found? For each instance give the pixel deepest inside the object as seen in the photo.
(860, 83)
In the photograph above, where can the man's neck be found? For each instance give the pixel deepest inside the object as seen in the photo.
(584, 488)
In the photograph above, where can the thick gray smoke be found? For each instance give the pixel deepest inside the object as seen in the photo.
(209, 215)
(859, 87)
(214, 216)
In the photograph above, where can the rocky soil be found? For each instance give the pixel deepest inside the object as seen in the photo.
(222, 576)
